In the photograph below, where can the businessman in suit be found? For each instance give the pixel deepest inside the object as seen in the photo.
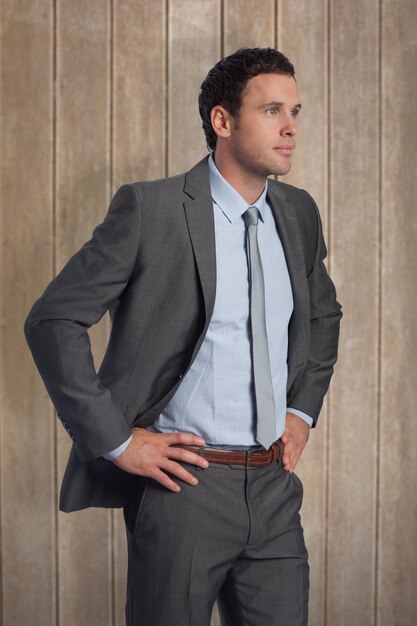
(224, 337)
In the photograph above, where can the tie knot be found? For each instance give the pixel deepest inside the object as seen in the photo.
(251, 216)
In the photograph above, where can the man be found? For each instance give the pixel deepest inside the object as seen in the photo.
(224, 337)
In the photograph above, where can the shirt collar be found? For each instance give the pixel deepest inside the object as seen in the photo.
(228, 199)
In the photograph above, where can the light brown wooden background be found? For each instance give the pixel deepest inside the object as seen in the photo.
(98, 92)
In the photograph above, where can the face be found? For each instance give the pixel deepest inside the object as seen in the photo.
(262, 137)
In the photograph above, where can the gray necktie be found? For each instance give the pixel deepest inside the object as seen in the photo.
(265, 406)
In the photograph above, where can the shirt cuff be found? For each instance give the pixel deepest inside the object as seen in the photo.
(301, 414)
(117, 451)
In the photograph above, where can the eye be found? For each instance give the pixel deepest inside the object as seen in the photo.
(272, 111)
(295, 112)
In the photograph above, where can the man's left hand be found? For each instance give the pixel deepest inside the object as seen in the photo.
(294, 439)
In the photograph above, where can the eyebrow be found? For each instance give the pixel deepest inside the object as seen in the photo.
(270, 104)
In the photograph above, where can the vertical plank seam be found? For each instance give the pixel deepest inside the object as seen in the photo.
(379, 313)
(110, 186)
(1, 464)
(167, 31)
(221, 28)
(54, 271)
(111, 101)
(276, 24)
(328, 403)
(2, 335)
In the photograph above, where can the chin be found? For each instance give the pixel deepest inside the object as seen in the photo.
(282, 171)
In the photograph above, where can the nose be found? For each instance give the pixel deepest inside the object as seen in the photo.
(289, 128)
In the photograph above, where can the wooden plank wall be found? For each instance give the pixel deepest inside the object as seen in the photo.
(97, 93)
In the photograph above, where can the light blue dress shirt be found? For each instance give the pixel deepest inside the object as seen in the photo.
(216, 397)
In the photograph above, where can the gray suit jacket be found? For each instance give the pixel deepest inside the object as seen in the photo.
(152, 264)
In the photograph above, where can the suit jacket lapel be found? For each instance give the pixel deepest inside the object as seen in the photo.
(198, 207)
(290, 235)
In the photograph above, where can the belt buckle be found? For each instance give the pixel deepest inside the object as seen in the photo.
(201, 452)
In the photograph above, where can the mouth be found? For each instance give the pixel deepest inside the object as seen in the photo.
(285, 149)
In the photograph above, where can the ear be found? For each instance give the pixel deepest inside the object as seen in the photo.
(221, 121)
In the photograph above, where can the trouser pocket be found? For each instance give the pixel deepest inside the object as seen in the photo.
(133, 509)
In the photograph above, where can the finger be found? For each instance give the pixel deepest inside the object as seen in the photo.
(179, 472)
(187, 457)
(289, 458)
(165, 480)
(293, 463)
(187, 439)
(286, 453)
(295, 457)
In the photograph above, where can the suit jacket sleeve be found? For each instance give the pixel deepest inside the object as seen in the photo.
(325, 316)
(57, 328)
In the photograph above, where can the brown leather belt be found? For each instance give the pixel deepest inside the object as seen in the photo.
(237, 457)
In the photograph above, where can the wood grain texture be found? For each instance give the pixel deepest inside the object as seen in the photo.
(138, 149)
(27, 449)
(309, 171)
(139, 92)
(397, 540)
(248, 24)
(82, 185)
(354, 237)
(194, 34)
(127, 79)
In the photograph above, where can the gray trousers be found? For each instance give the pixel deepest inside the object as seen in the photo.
(236, 538)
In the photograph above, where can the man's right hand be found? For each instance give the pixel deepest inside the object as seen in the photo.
(154, 454)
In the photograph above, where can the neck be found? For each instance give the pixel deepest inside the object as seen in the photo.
(247, 184)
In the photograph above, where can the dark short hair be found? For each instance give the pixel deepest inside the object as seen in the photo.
(226, 81)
